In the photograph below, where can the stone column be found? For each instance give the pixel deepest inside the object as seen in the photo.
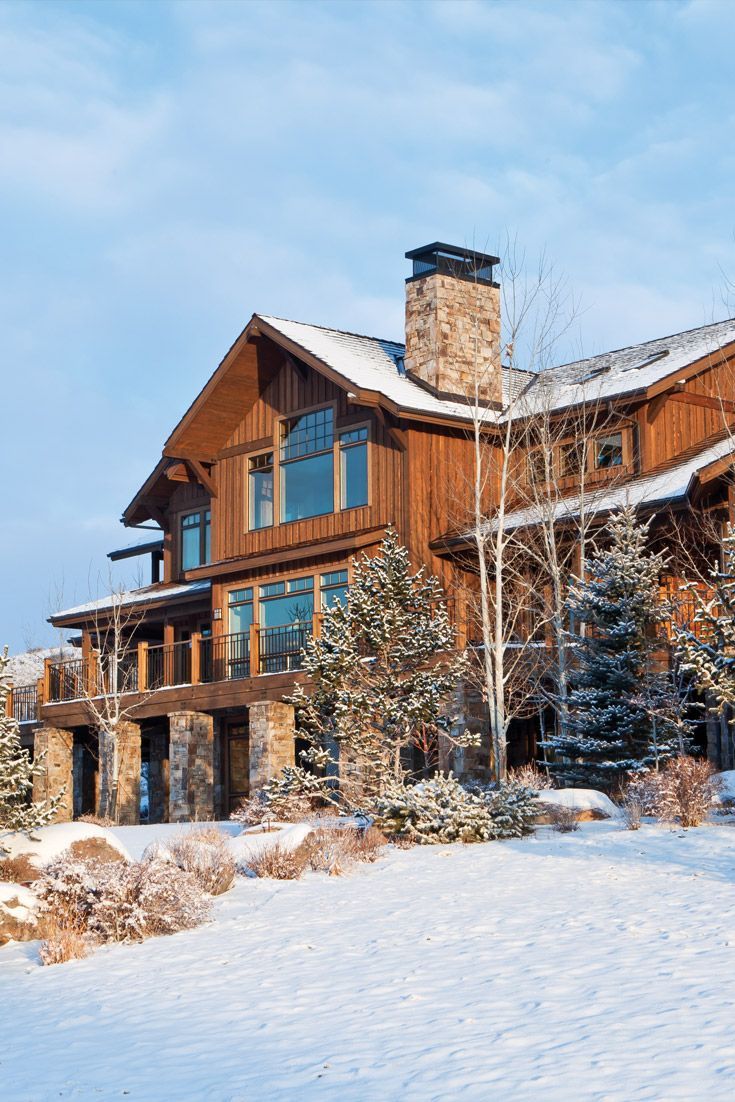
(56, 771)
(272, 735)
(125, 742)
(191, 767)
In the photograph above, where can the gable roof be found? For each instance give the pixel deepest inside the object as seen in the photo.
(625, 370)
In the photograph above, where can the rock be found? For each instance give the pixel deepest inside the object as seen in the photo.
(587, 804)
(18, 914)
(98, 849)
(47, 843)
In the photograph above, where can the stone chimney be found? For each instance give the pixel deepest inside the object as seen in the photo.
(453, 322)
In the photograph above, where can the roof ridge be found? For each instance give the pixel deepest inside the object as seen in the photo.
(643, 344)
(331, 329)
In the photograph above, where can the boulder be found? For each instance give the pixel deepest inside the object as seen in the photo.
(45, 844)
(18, 914)
(587, 804)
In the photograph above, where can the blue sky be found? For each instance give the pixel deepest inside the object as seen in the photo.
(167, 169)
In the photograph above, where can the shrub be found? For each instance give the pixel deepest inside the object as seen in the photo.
(530, 776)
(62, 944)
(205, 854)
(282, 807)
(632, 808)
(563, 819)
(684, 791)
(278, 863)
(18, 870)
(442, 810)
(96, 901)
(97, 820)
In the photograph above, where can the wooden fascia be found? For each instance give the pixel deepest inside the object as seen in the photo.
(696, 367)
(716, 468)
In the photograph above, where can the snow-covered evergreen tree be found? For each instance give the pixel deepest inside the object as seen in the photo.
(384, 670)
(707, 648)
(612, 728)
(17, 812)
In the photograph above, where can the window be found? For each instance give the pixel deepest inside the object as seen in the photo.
(572, 458)
(240, 604)
(283, 603)
(333, 588)
(537, 467)
(307, 465)
(195, 539)
(353, 468)
(260, 484)
(609, 451)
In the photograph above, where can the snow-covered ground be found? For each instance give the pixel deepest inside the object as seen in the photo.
(596, 965)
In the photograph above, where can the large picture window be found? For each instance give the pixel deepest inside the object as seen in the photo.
(283, 603)
(353, 462)
(195, 539)
(307, 465)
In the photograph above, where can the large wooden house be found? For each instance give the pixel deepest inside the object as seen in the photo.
(301, 449)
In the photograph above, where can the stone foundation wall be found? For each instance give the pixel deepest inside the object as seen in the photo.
(272, 735)
(119, 797)
(453, 334)
(191, 767)
(56, 772)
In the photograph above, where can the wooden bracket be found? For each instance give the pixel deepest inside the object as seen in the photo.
(708, 401)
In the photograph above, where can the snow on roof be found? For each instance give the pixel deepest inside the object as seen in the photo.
(626, 369)
(142, 596)
(666, 486)
(369, 363)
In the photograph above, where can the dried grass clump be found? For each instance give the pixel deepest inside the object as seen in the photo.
(334, 849)
(632, 808)
(205, 854)
(530, 776)
(278, 863)
(61, 944)
(96, 820)
(683, 792)
(18, 870)
(563, 819)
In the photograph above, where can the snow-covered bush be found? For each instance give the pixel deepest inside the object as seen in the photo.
(334, 849)
(632, 808)
(442, 810)
(103, 901)
(203, 853)
(285, 799)
(684, 791)
(62, 944)
(17, 870)
(563, 819)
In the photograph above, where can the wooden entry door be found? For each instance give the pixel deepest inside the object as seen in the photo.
(237, 763)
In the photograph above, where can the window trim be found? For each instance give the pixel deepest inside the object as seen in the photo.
(274, 447)
(285, 577)
(201, 512)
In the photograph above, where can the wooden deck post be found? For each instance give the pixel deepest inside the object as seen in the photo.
(142, 667)
(47, 663)
(40, 696)
(94, 674)
(254, 649)
(9, 704)
(316, 625)
(196, 657)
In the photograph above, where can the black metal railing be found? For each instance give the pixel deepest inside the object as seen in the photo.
(169, 664)
(68, 680)
(25, 703)
(225, 658)
(281, 648)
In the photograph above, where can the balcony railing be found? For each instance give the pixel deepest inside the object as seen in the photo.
(194, 661)
(23, 703)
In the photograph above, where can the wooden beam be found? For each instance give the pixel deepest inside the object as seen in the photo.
(655, 407)
(396, 434)
(202, 477)
(156, 513)
(708, 401)
(299, 367)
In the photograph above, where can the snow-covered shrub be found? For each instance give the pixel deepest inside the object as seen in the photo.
(97, 820)
(145, 899)
(684, 791)
(442, 810)
(203, 853)
(285, 799)
(279, 863)
(530, 776)
(632, 808)
(117, 901)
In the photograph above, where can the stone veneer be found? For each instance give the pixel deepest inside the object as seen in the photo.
(191, 767)
(272, 745)
(56, 770)
(452, 334)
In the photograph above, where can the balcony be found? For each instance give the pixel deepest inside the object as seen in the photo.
(197, 661)
(22, 703)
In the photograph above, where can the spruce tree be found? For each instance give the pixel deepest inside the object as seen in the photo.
(383, 670)
(707, 648)
(17, 811)
(612, 729)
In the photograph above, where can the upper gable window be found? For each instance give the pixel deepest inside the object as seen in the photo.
(307, 465)
(195, 541)
(609, 451)
(353, 467)
(260, 479)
